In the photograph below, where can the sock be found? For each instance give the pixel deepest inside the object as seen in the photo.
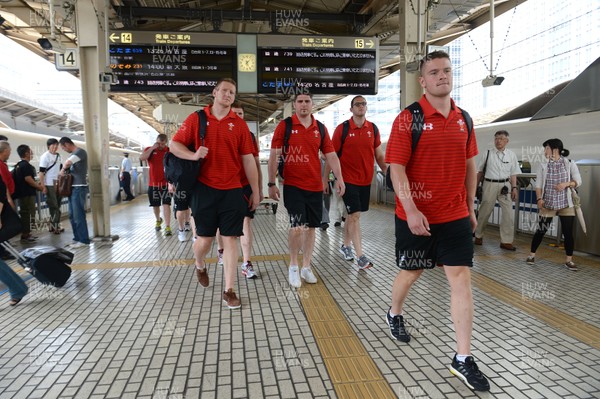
(394, 315)
(461, 358)
(294, 267)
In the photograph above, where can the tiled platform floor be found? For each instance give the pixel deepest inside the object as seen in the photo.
(133, 322)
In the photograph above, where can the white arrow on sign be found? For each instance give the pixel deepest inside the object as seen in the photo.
(113, 37)
(370, 43)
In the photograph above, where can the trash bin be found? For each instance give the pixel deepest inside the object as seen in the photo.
(589, 192)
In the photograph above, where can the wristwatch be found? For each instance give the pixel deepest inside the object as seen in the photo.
(271, 184)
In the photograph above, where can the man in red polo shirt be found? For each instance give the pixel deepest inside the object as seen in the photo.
(217, 200)
(302, 184)
(358, 153)
(158, 192)
(435, 216)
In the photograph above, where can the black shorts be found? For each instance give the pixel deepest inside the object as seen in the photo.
(181, 199)
(305, 208)
(247, 190)
(159, 195)
(356, 198)
(214, 209)
(450, 244)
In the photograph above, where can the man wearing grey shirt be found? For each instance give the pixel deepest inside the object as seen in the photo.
(77, 165)
(499, 184)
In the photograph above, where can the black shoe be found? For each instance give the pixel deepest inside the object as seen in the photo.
(397, 330)
(324, 226)
(469, 373)
(337, 224)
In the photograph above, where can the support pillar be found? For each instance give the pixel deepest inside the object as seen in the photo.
(410, 89)
(92, 55)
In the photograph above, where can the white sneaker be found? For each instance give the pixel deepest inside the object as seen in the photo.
(308, 275)
(295, 277)
(78, 244)
(181, 235)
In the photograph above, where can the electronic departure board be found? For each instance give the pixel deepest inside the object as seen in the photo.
(171, 62)
(321, 65)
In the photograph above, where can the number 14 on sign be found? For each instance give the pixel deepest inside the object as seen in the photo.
(67, 61)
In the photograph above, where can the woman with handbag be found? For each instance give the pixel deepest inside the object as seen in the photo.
(16, 286)
(555, 181)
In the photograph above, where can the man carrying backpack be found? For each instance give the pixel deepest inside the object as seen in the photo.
(300, 138)
(25, 190)
(357, 144)
(158, 186)
(435, 183)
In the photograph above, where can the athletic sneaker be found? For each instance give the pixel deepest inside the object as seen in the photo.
(231, 300)
(158, 224)
(168, 231)
(181, 235)
(364, 262)
(220, 257)
(187, 226)
(469, 373)
(308, 275)
(78, 244)
(248, 270)
(294, 277)
(530, 260)
(397, 329)
(571, 266)
(347, 252)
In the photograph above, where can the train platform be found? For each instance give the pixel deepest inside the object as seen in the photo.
(133, 322)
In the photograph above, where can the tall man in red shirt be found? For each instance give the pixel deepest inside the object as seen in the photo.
(435, 216)
(361, 148)
(302, 184)
(217, 200)
(158, 192)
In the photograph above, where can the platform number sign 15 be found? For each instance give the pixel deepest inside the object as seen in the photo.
(67, 61)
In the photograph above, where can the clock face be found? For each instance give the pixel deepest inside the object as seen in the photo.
(247, 62)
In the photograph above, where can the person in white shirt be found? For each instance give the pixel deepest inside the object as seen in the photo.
(50, 165)
(499, 184)
(126, 176)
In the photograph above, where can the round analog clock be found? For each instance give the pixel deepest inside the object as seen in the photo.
(247, 62)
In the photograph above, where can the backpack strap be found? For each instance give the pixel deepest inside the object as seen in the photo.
(288, 133)
(322, 131)
(468, 122)
(345, 129)
(418, 119)
(376, 134)
(202, 125)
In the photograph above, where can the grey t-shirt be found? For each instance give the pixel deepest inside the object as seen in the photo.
(79, 167)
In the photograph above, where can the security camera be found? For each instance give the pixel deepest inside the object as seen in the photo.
(51, 44)
(492, 81)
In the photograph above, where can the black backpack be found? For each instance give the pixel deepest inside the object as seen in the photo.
(346, 129)
(18, 179)
(286, 142)
(418, 119)
(183, 173)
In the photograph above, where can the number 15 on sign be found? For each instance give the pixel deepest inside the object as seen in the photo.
(67, 61)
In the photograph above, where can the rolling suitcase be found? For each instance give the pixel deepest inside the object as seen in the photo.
(47, 264)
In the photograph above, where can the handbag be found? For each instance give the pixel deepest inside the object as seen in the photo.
(64, 185)
(11, 223)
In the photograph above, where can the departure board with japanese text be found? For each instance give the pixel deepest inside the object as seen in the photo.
(321, 65)
(171, 62)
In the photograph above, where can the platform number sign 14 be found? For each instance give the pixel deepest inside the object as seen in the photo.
(67, 61)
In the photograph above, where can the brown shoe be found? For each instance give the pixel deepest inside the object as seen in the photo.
(202, 275)
(231, 300)
(509, 247)
(478, 241)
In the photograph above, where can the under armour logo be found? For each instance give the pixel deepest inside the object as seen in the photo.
(294, 131)
(427, 126)
(231, 125)
(351, 135)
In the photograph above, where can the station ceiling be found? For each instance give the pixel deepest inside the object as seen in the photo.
(24, 21)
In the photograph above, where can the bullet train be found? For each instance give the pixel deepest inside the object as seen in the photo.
(37, 142)
(580, 134)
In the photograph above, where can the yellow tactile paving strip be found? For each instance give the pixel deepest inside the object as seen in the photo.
(562, 321)
(351, 369)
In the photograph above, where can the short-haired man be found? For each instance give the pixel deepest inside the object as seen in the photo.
(435, 216)
(5, 152)
(303, 184)
(358, 153)
(158, 192)
(126, 169)
(50, 163)
(247, 237)
(77, 165)
(217, 199)
(25, 190)
(499, 184)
